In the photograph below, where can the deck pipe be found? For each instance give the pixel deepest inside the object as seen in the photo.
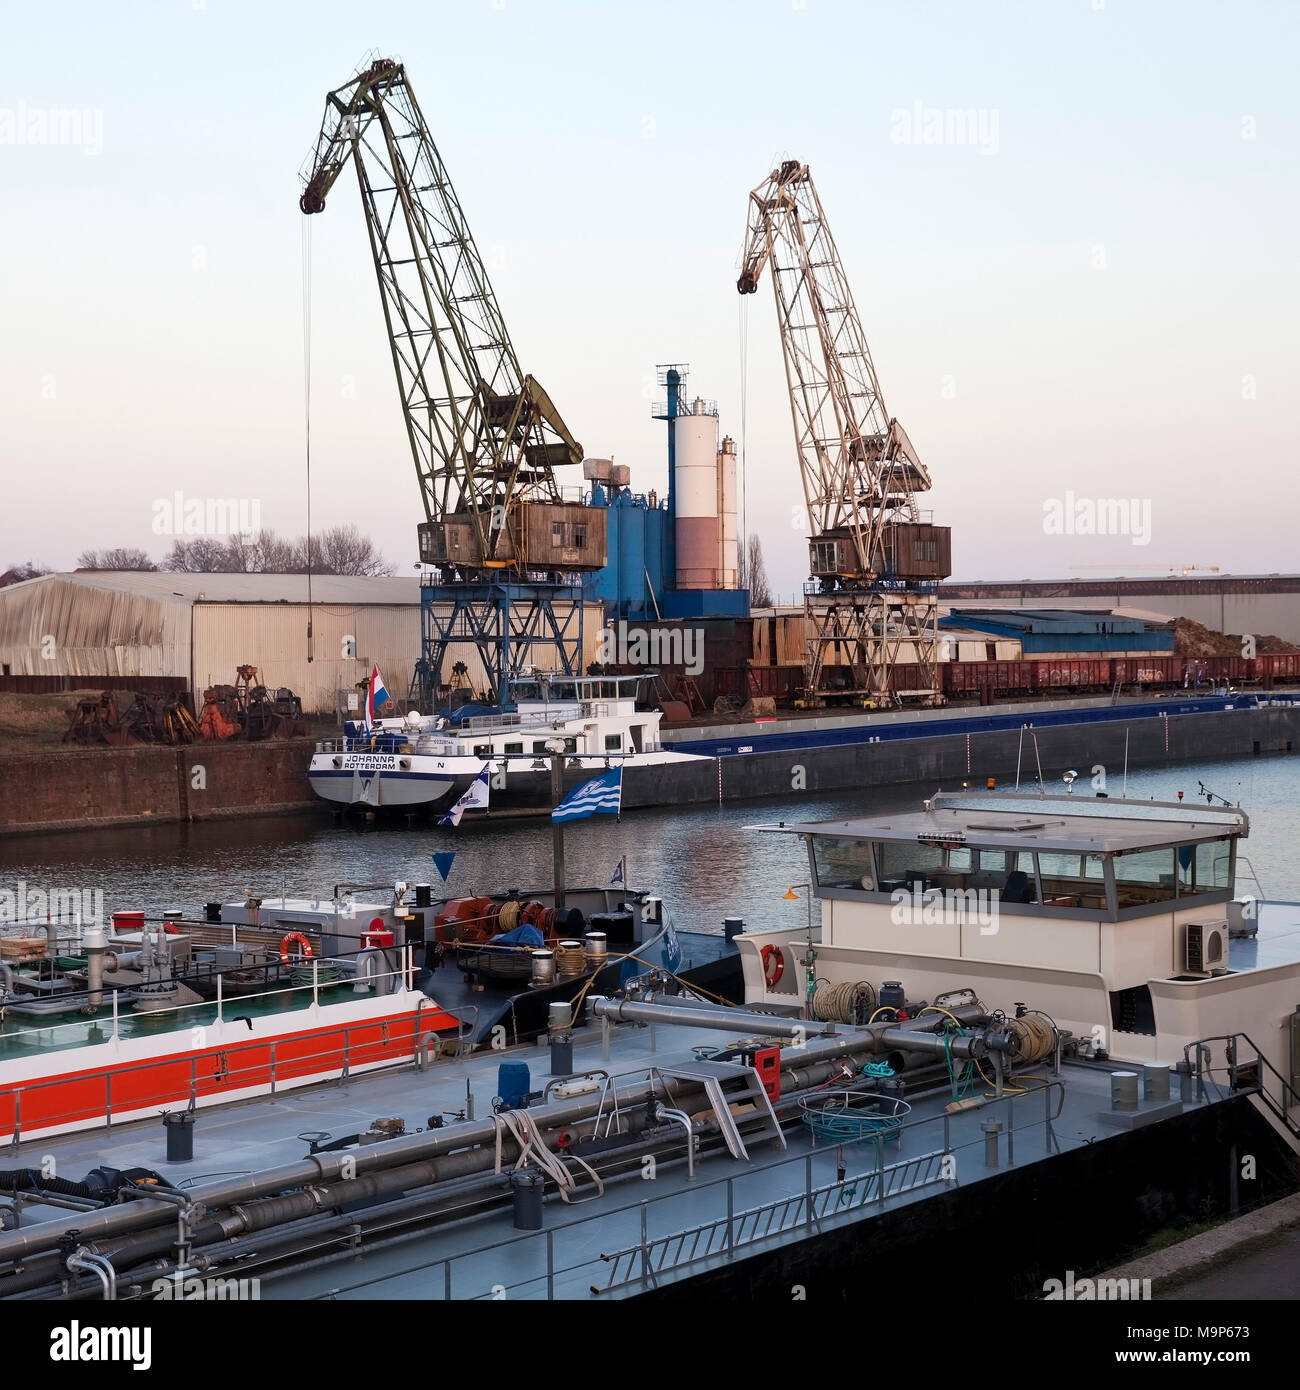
(142, 1256)
(815, 1059)
(95, 945)
(818, 1059)
(730, 1020)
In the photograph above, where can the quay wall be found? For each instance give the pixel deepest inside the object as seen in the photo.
(150, 784)
(44, 792)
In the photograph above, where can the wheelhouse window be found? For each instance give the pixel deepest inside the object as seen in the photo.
(613, 743)
(1072, 880)
(1144, 876)
(1204, 868)
(843, 863)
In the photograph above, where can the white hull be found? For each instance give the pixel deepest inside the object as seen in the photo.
(412, 780)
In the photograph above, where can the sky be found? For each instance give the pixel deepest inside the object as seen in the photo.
(1084, 291)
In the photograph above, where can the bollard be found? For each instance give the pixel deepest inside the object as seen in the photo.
(1155, 1081)
(992, 1129)
(1123, 1090)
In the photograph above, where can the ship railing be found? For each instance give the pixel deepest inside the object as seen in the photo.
(194, 1020)
(575, 1259)
(210, 1070)
(1245, 1069)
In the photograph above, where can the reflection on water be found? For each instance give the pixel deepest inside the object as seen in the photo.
(705, 862)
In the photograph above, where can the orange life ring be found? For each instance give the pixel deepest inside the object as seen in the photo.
(773, 964)
(298, 937)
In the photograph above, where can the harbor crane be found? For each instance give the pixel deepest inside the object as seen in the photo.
(875, 558)
(506, 546)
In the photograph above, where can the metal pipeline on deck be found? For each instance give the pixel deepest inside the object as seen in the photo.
(801, 1066)
(731, 1020)
(324, 1168)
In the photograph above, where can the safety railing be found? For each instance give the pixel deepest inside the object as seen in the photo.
(179, 1079)
(1245, 1069)
(651, 1259)
(569, 1258)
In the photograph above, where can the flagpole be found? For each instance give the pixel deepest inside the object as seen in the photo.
(556, 749)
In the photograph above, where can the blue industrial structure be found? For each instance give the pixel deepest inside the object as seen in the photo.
(1055, 630)
(640, 580)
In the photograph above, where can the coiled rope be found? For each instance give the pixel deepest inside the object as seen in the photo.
(1035, 1038)
(570, 960)
(841, 1003)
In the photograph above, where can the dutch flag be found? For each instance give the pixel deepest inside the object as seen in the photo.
(376, 695)
(600, 794)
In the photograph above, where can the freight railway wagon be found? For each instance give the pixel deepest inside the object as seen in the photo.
(1066, 675)
(1073, 675)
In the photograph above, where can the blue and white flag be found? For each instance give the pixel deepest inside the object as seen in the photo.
(603, 793)
(474, 799)
(672, 948)
(617, 880)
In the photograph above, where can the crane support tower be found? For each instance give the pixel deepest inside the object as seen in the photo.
(875, 559)
(506, 545)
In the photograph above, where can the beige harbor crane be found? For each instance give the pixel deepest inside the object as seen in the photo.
(875, 559)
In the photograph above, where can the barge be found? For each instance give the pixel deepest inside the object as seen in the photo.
(1097, 1049)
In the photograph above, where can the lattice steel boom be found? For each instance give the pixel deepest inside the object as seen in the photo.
(485, 438)
(873, 557)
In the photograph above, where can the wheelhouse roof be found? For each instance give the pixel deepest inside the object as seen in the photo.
(1080, 825)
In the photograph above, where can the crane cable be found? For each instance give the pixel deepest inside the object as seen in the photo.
(306, 403)
(743, 557)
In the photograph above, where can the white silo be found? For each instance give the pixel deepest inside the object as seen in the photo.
(696, 496)
(728, 533)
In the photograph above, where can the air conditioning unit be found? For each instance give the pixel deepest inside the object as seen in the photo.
(1205, 949)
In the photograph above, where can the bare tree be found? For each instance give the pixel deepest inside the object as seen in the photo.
(753, 574)
(199, 555)
(118, 558)
(341, 550)
(263, 553)
(337, 550)
(27, 569)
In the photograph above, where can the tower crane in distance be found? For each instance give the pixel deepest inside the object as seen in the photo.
(506, 547)
(875, 559)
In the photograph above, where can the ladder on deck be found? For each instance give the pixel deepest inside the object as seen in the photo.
(746, 1087)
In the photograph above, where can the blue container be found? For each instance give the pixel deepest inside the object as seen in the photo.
(513, 1083)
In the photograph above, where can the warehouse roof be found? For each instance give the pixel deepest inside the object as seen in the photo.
(244, 588)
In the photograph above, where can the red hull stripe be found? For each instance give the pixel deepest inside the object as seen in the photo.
(85, 1098)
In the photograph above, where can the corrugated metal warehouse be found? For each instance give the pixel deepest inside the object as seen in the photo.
(1235, 603)
(109, 628)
